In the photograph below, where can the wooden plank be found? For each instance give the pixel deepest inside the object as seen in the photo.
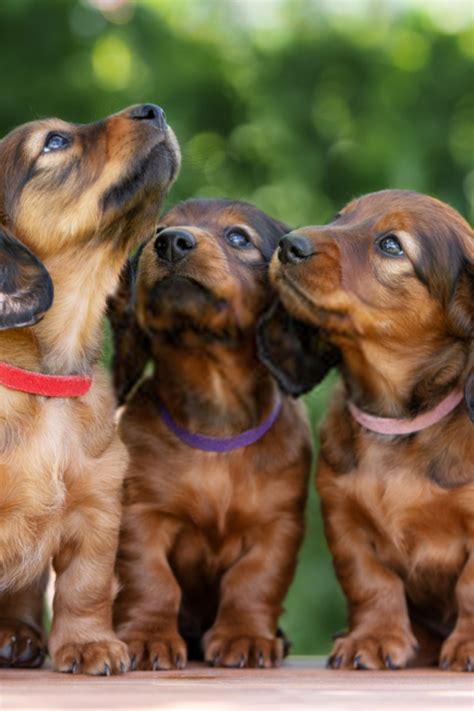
(301, 683)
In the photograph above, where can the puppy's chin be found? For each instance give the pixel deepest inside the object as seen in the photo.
(295, 300)
(331, 311)
(177, 302)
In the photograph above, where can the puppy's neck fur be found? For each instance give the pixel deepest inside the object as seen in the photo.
(214, 389)
(71, 333)
(69, 338)
(386, 380)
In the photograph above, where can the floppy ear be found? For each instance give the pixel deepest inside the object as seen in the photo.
(131, 344)
(272, 231)
(461, 316)
(296, 353)
(26, 289)
(461, 305)
(469, 394)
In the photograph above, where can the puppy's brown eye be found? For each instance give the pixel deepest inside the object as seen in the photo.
(238, 239)
(391, 245)
(55, 142)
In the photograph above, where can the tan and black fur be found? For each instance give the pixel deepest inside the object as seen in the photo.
(73, 200)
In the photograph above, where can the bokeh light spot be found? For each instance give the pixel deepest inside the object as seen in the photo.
(409, 50)
(112, 63)
(466, 42)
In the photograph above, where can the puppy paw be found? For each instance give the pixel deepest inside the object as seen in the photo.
(20, 645)
(159, 653)
(457, 653)
(101, 658)
(373, 651)
(239, 651)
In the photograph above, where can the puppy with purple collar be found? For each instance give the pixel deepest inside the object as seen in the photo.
(216, 488)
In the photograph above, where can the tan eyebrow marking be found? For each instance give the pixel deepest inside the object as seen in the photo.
(35, 140)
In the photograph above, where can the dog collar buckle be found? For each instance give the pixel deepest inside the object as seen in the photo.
(28, 381)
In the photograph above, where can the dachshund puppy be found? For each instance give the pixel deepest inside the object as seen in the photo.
(387, 290)
(217, 483)
(73, 200)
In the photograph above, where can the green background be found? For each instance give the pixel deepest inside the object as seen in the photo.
(294, 105)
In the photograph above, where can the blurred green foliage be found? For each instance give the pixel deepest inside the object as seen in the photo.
(278, 102)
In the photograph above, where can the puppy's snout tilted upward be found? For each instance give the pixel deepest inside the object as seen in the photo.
(294, 249)
(173, 245)
(150, 112)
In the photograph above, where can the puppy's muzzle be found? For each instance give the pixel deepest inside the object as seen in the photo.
(294, 249)
(174, 245)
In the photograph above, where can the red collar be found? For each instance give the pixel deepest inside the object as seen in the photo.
(40, 384)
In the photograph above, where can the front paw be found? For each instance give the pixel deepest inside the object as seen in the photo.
(373, 650)
(102, 658)
(20, 645)
(158, 653)
(233, 649)
(457, 653)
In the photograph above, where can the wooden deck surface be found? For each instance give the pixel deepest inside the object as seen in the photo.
(302, 683)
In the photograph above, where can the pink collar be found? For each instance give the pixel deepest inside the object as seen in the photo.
(392, 426)
(40, 384)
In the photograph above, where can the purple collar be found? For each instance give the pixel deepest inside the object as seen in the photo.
(221, 444)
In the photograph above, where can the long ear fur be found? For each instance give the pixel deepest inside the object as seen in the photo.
(469, 394)
(461, 315)
(131, 344)
(26, 289)
(296, 353)
(461, 306)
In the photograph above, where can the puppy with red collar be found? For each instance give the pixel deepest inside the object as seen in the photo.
(74, 199)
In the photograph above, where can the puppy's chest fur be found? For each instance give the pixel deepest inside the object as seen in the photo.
(45, 447)
(218, 502)
(419, 526)
(209, 509)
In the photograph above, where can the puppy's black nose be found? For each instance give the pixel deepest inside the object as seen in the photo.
(149, 112)
(294, 248)
(173, 245)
